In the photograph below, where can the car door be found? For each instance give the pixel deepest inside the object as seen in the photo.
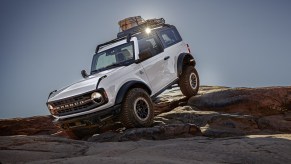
(155, 66)
(172, 43)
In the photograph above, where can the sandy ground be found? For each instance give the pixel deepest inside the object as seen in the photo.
(247, 149)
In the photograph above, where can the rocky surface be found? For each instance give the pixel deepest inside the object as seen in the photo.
(221, 112)
(244, 149)
(38, 125)
(251, 101)
(220, 124)
(161, 132)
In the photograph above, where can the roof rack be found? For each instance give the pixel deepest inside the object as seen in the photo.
(150, 23)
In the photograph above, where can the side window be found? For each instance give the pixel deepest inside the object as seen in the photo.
(150, 43)
(127, 52)
(170, 37)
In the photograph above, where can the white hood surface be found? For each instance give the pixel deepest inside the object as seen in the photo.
(83, 86)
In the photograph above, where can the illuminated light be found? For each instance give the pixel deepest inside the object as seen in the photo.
(148, 30)
(50, 107)
(52, 110)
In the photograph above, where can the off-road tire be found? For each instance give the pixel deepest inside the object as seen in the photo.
(130, 115)
(185, 81)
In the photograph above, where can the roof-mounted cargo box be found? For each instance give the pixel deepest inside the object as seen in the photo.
(130, 22)
(150, 23)
(137, 25)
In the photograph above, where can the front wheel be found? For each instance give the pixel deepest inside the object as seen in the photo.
(189, 81)
(137, 109)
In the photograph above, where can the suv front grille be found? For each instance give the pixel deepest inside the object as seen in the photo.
(74, 104)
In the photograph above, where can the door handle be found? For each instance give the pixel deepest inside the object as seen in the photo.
(167, 57)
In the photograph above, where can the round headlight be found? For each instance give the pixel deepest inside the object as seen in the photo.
(50, 107)
(97, 97)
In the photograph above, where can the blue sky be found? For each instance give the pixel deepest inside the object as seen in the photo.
(45, 44)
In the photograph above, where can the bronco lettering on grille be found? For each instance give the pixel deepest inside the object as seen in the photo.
(72, 104)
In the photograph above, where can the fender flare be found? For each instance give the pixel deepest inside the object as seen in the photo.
(184, 57)
(125, 87)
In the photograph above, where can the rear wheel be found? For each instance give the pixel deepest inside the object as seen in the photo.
(137, 109)
(189, 81)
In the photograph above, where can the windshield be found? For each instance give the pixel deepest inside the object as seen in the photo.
(113, 57)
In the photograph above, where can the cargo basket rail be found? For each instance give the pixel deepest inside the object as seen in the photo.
(150, 23)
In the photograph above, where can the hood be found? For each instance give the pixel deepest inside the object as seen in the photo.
(82, 86)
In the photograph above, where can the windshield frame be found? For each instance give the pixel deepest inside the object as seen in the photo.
(123, 63)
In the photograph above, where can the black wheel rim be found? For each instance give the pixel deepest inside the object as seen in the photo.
(141, 108)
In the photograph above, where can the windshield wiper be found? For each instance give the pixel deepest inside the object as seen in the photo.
(95, 71)
(113, 65)
(104, 68)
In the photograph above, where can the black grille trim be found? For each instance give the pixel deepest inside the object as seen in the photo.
(76, 104)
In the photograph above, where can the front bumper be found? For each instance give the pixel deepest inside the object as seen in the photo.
(92, 119)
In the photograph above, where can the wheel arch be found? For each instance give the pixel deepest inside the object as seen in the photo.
(128, 85)
(184, 59)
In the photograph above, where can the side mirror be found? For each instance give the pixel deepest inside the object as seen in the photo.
(144, 55)
(84, 74)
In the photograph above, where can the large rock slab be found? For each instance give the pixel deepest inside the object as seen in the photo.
(252, 101)
(246, 149)
(276, 123)
(220, 124)
(152, 133)
(37, 125)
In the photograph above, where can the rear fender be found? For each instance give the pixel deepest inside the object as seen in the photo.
(184, 59)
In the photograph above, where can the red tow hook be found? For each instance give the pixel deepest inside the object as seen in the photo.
(188, 47)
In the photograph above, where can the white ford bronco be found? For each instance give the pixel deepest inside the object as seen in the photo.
(126, 74)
